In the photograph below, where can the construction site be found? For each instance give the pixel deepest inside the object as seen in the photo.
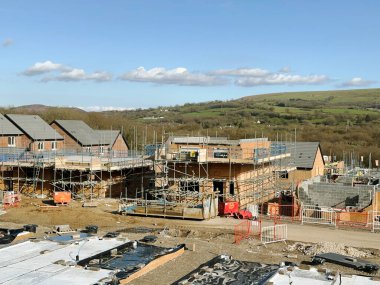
(199, 200)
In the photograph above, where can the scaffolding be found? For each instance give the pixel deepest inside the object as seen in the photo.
(249, 176)
(86, 175)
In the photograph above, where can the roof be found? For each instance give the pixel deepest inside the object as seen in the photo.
(203, 140)
(108, 136)
(213, 140)
(7, 128)
(81, 132)
(34, 127)
(303, 153)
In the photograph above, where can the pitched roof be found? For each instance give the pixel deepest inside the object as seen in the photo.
(107, 136)
(303, 153)
(34, 127)
(7, 128)
(81, 132)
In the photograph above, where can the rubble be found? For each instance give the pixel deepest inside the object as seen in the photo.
(323, 247)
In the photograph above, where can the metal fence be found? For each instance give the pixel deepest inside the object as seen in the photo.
(375, 221)
(318, 215)
(242, 231)
(9, 199)
(274, 233)
(256, 228)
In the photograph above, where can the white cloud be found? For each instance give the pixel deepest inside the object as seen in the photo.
(357, 82)
(176, 76)
(77, 74)
(43, 67)
(285, 69)
(64, 73)
(104, 108)
(282, 79)
(7, 42)
(251, 72)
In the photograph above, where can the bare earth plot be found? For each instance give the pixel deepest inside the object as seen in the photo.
(209, 238)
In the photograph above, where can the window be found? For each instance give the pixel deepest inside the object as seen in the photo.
(220, 153)
(101, 150)
(54, 145)
(283, 174)
(232, 188)
(87, 149)
(11, 141)
(40, 146)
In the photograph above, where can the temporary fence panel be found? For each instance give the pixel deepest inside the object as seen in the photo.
(318, 215)
(284, 212)
(256, 228)
(10, 199)
(274, 233)
(242, 231)
(254, 209)
(354, 219)
(376, 220)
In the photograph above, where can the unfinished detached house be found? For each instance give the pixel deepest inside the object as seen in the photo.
(241, 170)
(196, 175)
(306, 162)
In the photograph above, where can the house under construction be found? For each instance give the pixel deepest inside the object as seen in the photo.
(35, 159)
(241, 170)
(195, 175)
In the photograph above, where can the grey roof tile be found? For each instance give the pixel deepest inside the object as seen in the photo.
(81, 132)
(108, 136)
(34, 127)
(7, 128)
(302, 153)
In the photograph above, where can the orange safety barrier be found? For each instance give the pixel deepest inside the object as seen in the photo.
(62, 197)
(242, 231)
(284, 212)
(354, 219)
(246, 229)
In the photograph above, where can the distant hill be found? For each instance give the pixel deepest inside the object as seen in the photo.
(39, 108)
(359, 98)
(346, 122)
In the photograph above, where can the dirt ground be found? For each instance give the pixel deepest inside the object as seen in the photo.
(210, 238)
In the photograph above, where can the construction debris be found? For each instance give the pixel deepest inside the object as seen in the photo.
(226, 270)
(62, 229)
(324, 247)
(358, 264)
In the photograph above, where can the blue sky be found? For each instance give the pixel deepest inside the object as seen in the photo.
(138, 54)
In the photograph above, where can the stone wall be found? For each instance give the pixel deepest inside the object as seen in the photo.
(336, 195)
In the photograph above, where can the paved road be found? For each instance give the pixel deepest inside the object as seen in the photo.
(298, 232)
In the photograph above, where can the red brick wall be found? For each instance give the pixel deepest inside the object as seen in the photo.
(21, 141)
(68, 142)
(120, 144)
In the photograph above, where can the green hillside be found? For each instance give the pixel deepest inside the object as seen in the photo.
(344, 121)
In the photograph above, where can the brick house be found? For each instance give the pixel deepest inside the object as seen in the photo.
(38, 135)
(306, 162)
(10, 135)
(79, 136)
